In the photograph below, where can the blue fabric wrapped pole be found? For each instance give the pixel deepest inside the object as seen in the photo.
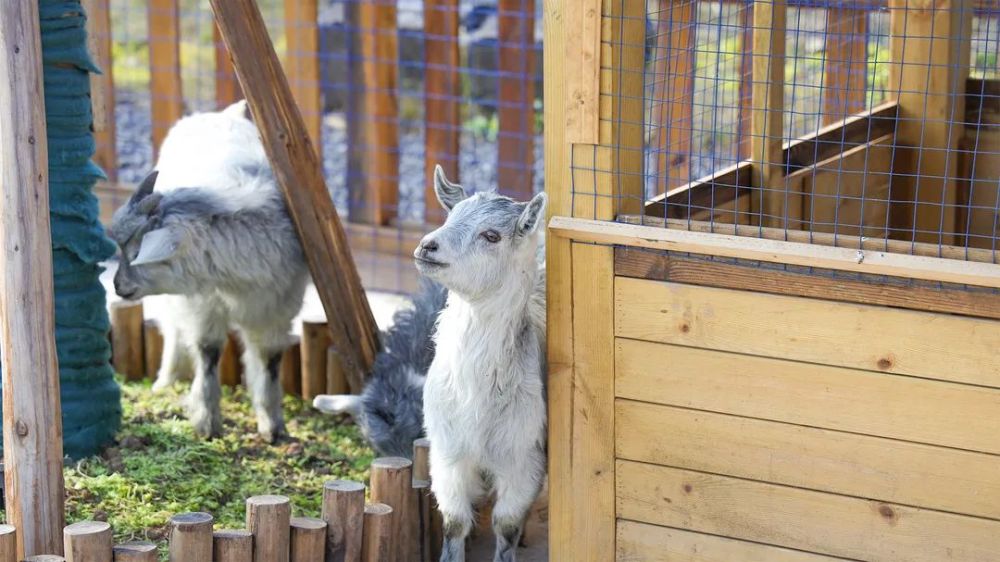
(91, 399)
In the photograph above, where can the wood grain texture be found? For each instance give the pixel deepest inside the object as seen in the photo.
(516, 97)
(137, 551)
(227, 86)
(766, 115)
(32, 424)
(336, 379)
(392, 485)
(127, 347)
(300, 175)
(102, 86)
(421, 459)
(88, 541)
(593, 403)
(302, 53)
(802, 519)
(846, 63)
(721, 197)
(803, 282)
(425, 506)
(191, 537)
(268, 519)
(442, 97)
(805, 457)
(651, 543)
(152, 343)
(673, 92)
(315, 342)
(165, 92)
(379, 542)
(8, 543)
(841, 135)
(343, 511)
(230, 364)
(308, 540)
(578, 93)
(291, 368)
(863, 402)
(232, 545)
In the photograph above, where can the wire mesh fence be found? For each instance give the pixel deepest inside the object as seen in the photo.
(388, 89)
(859, 123)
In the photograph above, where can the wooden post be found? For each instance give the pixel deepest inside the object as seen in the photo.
(302, 64)
(673, 91)
(227, 87)
(8, 543)
(152, 341)
(268, 519)
(930, 44)
(45, 558)
(230, 366)
(308, 539)
(32, 420)
(374, 202)
(165, 93)
(232, 545)
(299, 172)
(336, 380)
(746, 84)
(392, 484)
(127, 348)
(135, 552)
(442, 94)
(343, 511)
(424, 500)
(516, 96)
(421, 459)
(315, 342)
(772, 205)
(291, 368)
(191, 537)
(88, 541)
(102, 86)
(846, 69)
(378, 535)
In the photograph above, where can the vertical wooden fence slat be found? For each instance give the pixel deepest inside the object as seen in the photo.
(135, 552)
(102, 86)
(379, 540)
(766, 116)
(392, 484)
(336, 379)
(88, 541)
(227, 86)
(308, 539)
(302, 64)
(127, 348)
(232, 545)
(673, 91)
(425, 506)
(315, 342)
(32, 422)
(343, 511)
(165, 92)
(191, 537)
(8, 543)
(516, 96)
(442, 91)
(374, 200)
(230, 365)
(269, 520)
(746, 83)
(291, 368)
(152, 342)
(846, 65)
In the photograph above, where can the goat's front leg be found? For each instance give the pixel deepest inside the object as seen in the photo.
(261, 364)
(171, 359)
(456, 487)
(203, 400)
(517, 486)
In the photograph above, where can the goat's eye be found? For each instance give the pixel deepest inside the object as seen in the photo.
(491, 236)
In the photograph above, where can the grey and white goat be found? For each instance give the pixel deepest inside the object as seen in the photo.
(216, 237)
(484, 399)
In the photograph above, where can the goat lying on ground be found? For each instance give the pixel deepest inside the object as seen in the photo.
(484, 399)
(215, 235)
(390, 410)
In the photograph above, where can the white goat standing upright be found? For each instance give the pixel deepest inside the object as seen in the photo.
(216, 240)
(484, 399)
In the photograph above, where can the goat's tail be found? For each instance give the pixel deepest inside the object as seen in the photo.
(338, 404)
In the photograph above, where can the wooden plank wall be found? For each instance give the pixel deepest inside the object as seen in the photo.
(516, 96)
(443, 88)
(166, 94)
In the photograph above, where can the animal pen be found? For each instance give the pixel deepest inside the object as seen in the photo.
(773, 276)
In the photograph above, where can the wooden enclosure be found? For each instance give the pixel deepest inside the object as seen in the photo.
(794, 358)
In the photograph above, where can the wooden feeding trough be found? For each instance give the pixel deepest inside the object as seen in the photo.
(793, 358)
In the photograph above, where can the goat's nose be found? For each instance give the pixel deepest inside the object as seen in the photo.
(429, 245)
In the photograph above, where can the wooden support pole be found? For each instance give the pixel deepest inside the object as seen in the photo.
(227, 86)
(424, 500)
(421, 459)
(673, 92)
(308, 539)
(378, 536)
(336, 379)
(268, 519)
(232, 545)
(88, 541)
(443, 91)
(127, 347)
(191, 537)
(135, 552)
(102, 86)
(846, 67)
(230, 366)
(375, 201)
(299, 172)
(291, 368)
(302, 64)
(746, 83)
(32, 419)
(152, 341)
(8, 543)
(516, 96)
(392, 484)
(343, 511)
(315, 342)
(165, 92)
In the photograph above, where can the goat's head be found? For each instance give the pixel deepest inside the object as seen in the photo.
(485, 240)
(147, 245)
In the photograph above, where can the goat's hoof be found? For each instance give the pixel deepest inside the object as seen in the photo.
(207, 427)
(273, 436)
(161, 384)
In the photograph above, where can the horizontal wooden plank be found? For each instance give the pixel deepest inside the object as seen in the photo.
(716, 191)
(923, 344)
(836, 137)
(807, 282)
(801, 519)
(911, 409)
(652, 543)
(806, 457)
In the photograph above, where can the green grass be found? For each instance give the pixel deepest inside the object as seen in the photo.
(158, 468)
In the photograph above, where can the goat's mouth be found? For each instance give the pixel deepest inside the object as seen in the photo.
(128, 295)
(428, 263)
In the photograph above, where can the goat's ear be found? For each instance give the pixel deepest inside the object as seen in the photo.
(532, 215)
(239, 109)
(158, 246)
(448, 194)
(145, 188)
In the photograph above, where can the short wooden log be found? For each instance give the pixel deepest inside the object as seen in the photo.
(308, 539)
(392, 484)
(424, 500)
(268, 519)
(378, 544)
(230, 367)
(422, 459)
(8, 543)
(127, 349)
(315, 341)
(191, 537)
(152, 340)
(343, 511)
(138, 551)
(336, 378)
(232, 545)
(291, 369)
(88, 541)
